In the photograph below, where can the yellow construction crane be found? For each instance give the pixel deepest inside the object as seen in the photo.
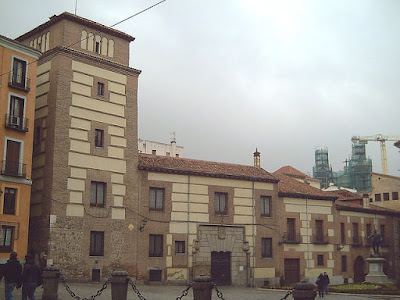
(378, 138)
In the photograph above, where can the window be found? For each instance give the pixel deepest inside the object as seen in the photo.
(167, 154)
(177, 155)
(15, 116)
(97, 47)
(155, 275)
(342, 233)
(100, 89)
(291, 229)
(154, 152)
(395, 195)
(99, 138)
(344, 263)
(386, 196)
(156, 245)
(18, 73)
(356, 239)
(12, 165)
(220, 203)
(9, 201)
(377, 197)
(156, 199)
(319, 231)
(369, 232)
(266, 247)
(265, 206)
(179, 246)
(97, 194)
(6, 238)
(382, 227)
(96, 243)
(320, 259)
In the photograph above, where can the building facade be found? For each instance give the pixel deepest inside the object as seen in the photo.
(279, 227)
(98, 205)
(86, 125)
(17, 104)
(385, 191)
(157, 148)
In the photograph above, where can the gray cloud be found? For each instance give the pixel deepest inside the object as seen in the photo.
(228, 76)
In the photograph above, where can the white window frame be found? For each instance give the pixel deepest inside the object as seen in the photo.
(26, 64)
(10, 94)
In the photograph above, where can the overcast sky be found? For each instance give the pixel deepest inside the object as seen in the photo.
(230, 76)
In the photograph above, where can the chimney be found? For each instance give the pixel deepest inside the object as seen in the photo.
(173, 148)
(257, 162)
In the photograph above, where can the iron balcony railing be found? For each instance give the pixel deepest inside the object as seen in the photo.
(291, 238)
(320, 239)
(356, 241)
(17, 123)
(19, 82)
(12, 168)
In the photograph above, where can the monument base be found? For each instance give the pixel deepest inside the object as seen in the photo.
(375, 274)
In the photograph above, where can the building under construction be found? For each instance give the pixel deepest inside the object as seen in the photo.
(356, 173)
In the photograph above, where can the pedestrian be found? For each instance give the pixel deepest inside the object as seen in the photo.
(31, 278)
(326, 277)
(12, 276)
(321, 284)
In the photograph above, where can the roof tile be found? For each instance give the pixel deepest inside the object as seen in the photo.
(180, 165)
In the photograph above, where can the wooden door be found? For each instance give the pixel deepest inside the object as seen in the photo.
(221, 268)
(12, 157)
(292, 270)
(359, 273)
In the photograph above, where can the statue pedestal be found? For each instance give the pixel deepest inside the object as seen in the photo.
(375, 274)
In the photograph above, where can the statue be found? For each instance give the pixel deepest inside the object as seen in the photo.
(376, 242)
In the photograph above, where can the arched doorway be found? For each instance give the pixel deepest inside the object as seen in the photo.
(359, 273)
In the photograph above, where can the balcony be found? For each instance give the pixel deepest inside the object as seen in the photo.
(12, 168)
(19, 82)
(17, 123)
(320, 239)
(291, 238)
(356, 241)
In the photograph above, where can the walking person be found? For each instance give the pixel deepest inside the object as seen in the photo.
(31, 278)
(12, 276)
(321, 284)
(326, 277)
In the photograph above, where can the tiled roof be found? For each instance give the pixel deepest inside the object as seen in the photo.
(289, 170)
(101, 60)
(345, 205)
(289, 187)
(347, 195)
(178, 165)
(74, 18)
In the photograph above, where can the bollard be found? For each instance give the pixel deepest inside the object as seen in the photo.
(51, 277)
(119, 285)
(202, 287)
(304, 290)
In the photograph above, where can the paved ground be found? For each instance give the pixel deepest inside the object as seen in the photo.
(159, 292)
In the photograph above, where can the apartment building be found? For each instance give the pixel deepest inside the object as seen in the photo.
(385, 191)
(157, 148)
(17, 104)
(86, 141)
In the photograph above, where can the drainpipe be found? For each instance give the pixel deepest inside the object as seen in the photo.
(308, 236)
(188, 233)
(254, 237)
